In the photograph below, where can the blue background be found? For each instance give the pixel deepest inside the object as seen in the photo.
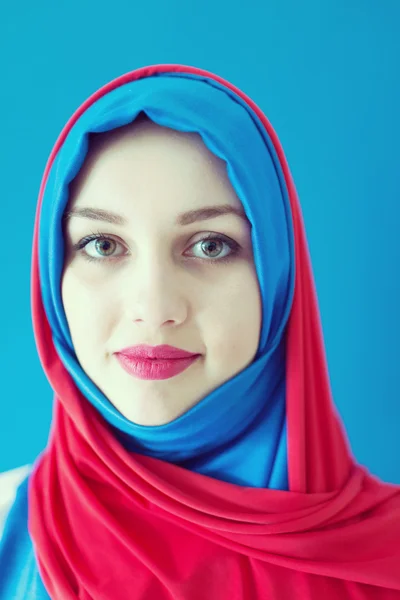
(327, 76)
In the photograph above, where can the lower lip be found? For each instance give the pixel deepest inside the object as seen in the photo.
(155, 369)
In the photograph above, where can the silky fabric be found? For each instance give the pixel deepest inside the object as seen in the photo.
(108, 521)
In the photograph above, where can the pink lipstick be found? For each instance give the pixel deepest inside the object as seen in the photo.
(155, 362)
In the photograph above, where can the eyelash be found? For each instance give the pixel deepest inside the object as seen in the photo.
(234, 247)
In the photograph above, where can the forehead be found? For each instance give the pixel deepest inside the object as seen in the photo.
(143, 140)
(145, 160)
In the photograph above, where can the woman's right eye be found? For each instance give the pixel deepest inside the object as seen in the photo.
(102, 246)
(97, 247)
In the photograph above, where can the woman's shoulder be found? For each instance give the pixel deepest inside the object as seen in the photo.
(9, 483)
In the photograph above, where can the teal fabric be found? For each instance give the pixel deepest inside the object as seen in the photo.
(19, 576)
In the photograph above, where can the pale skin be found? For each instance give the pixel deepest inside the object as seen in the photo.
(154, 281)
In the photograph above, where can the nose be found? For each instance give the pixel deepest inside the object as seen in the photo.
(157, 296)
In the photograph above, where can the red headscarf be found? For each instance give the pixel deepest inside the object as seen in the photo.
(110, 524)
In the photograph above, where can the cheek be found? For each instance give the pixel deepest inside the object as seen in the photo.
(88, 309)
(234, 322)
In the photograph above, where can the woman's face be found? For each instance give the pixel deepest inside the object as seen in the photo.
(154, 280)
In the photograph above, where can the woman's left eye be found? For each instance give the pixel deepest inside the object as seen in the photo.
(99, 247)
(213, 245)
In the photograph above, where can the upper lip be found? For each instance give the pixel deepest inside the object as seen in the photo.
(144, 351)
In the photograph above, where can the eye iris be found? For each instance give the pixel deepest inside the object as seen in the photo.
(103, 246)
(212, 243)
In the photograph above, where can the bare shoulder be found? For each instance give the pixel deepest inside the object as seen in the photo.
(9, 482)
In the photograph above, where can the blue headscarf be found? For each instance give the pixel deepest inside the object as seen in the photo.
(237, 433)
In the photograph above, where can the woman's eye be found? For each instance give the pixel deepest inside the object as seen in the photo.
(99, 247)
(212, 248)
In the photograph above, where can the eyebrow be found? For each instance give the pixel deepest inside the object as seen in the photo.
(186, 218)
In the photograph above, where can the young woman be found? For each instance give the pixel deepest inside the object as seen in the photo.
(195, 450)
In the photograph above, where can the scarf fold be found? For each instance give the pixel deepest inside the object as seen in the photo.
(113, 515)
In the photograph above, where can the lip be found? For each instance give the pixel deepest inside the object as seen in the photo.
(162, 352)
(148, 368)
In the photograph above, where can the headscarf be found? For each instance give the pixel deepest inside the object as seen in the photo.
(219, 435)
(233, 499)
